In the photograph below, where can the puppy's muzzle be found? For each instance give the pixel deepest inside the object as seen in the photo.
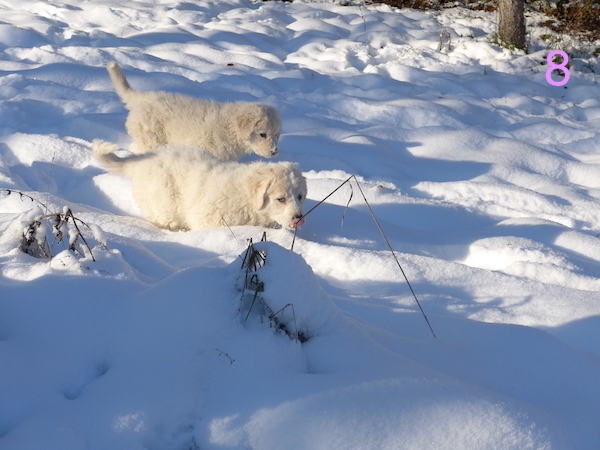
(297, 221)
(274, 152)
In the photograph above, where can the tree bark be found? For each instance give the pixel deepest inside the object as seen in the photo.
(511, 30)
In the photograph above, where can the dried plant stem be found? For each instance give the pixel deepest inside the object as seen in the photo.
(387, 242)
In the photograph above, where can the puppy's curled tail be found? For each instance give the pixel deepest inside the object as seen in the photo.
(119, 81)
(104, 153)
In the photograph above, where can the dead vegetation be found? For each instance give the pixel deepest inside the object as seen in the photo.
(576, 17)
(47, 234)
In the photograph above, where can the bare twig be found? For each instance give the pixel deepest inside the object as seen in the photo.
(252, 261)
(279, 322)
(395, 257)
(382, 234)
(260, 287)
(30, 243)
(318, 204)
(221, 352)
(23, 195)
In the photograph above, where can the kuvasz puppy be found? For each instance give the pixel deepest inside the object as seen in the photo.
(181, 188)
(227, 130)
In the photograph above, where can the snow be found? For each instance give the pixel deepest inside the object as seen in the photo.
(483, 176)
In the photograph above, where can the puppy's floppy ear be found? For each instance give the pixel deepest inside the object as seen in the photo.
(246, 117)
(259, 184)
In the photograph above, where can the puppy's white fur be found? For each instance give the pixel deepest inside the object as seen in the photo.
(181, 188)
(227, 130)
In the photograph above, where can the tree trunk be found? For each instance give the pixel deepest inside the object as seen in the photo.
(512, 23)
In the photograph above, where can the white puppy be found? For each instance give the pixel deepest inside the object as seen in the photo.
(181, 188)
(227, 130)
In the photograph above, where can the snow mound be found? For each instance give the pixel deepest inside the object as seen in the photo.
(411, 414)
(288, 290)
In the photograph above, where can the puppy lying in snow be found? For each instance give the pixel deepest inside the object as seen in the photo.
(227, 130)
(181, 188)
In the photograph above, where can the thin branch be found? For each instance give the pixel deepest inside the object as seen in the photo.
(395, 257)
(221, 352)
(318, 204)
(23, 195)
(382, 234)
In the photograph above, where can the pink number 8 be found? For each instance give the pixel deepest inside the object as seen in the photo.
(562, 66)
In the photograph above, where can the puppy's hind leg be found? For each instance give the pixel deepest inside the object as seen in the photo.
(147, 131)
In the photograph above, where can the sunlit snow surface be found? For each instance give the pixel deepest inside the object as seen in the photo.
(483, 176)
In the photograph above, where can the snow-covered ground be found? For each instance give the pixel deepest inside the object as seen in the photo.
(483, 176)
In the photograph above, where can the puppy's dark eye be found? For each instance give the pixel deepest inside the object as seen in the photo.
(299, 196)
(281, 199)
(263, 135)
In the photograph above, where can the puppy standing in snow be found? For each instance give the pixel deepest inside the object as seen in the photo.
(227, 130)
(181, 188)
